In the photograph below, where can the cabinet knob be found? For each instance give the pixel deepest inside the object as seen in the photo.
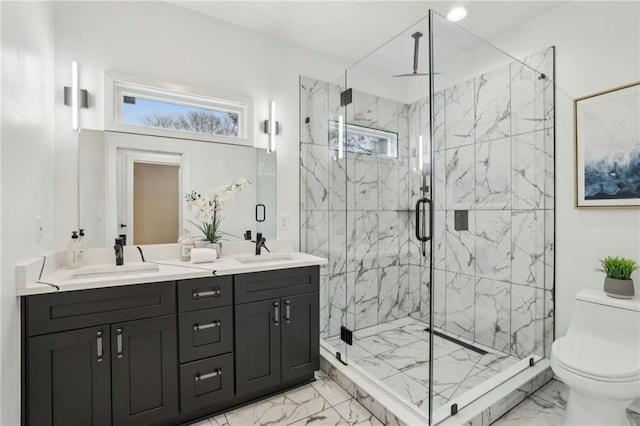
(99, 351)
(215, 373)
(197, 327)
(119, 342)
(206, 293)
(276, 313)
(287, 311)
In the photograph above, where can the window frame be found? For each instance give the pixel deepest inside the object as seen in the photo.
(117, 86)
(355, 129)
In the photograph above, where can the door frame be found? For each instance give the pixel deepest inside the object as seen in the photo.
(115, 141)
(144, 157)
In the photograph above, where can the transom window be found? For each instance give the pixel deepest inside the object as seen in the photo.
(365, 140)
(162, 111)
(141, 111)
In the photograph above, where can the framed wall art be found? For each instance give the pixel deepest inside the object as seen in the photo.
(606, 129)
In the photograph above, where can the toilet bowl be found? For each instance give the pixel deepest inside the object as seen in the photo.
(599, 359)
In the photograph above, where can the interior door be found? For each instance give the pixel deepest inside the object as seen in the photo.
(148, 183)
(156, 189)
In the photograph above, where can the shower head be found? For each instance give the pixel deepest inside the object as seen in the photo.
(416, 42)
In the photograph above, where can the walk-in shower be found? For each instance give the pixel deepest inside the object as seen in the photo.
(433, 199)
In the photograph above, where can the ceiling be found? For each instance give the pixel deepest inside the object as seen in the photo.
(351, 29)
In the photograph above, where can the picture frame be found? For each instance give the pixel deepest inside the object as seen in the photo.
(606, 127)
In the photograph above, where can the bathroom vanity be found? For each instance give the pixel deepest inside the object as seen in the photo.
(170, 351)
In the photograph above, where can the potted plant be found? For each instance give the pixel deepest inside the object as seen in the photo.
(208, 210)
(618, 282)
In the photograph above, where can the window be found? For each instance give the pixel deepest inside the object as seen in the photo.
(364, 140)
(141, 108)
(140, 111)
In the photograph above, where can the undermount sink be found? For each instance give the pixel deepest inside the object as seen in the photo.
(264, 258)
(114, 270)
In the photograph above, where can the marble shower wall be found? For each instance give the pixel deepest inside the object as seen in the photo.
(494, 144)
(356, 212)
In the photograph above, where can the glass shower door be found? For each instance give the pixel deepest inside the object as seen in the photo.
(389, 215)
(491, 158)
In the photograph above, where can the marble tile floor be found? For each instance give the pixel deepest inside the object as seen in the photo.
(397, 353)
(546, 407)
(322, 402)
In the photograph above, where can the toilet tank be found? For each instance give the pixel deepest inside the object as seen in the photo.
(599, 315)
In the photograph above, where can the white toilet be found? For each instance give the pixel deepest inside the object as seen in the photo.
(599, 359)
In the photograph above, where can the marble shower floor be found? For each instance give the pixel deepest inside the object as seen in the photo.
(322, 402)
(397, 353)
(546, 407)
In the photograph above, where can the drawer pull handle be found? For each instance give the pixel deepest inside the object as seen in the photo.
(211, 293)
(276, 313)
(215, 373)
(99, 345)
(287, 311)
(119, 342)
(197, 327)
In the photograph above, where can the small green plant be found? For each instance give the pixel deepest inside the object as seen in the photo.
(618, 268)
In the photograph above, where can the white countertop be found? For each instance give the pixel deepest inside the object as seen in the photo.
(229, 265)
(35, 278)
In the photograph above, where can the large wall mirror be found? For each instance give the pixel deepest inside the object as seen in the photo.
(136, 185)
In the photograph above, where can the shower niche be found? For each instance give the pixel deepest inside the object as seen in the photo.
(427, 180)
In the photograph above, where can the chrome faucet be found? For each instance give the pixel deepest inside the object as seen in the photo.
(119, 251)
(260, 243)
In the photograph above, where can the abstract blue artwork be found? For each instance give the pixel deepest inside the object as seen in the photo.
(607, 137)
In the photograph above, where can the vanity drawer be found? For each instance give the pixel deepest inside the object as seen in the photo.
(206, 382)
(204, 293)
(205, 333)
(52, 312)
(273, 284)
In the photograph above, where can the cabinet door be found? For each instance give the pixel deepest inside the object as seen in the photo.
(69, 378)
(145, 371)
(300, 336)
(257, 327)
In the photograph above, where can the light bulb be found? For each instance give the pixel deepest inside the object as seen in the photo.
(458, 13)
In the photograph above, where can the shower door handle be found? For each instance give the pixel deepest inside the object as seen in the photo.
(423, 202)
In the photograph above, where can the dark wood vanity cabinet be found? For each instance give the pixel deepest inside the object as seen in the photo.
(144, 377)
(120, 373)
(205, 308)
(277, 339)
(167, 353)
(75, 366)
(300, 341)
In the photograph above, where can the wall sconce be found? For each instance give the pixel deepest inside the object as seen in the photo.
(272, 128)
(424, 164)
(340, 155)
(75, 97)
(420, 152)
(340, 137)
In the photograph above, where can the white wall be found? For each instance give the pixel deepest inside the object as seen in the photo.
(164, 42)
(27, 155)
(597, 48)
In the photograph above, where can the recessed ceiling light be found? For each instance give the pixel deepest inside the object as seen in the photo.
(458, 13)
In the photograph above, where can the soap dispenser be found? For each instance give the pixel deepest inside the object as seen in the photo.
(186, 245)
(73, 255)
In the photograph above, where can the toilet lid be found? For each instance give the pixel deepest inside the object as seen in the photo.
(597, 357)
